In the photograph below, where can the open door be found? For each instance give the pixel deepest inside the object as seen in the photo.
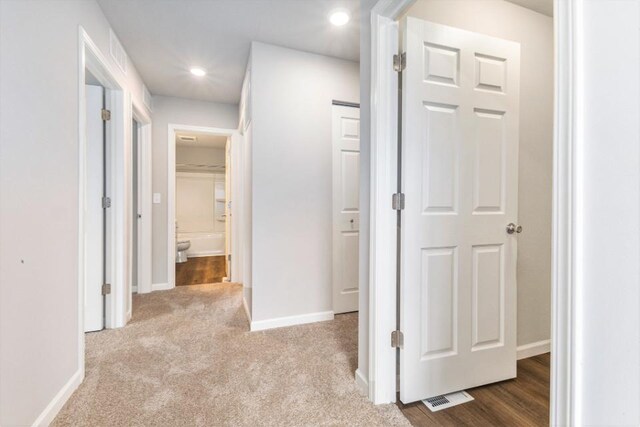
(459, 175)
(94, 233)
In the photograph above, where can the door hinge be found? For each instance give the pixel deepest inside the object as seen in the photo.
(106, 115)
(106, 288)
(397, 201)
(397, 339)
(229, 257)
(400, 62)
(106, 202)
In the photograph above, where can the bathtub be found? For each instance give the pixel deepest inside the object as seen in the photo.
(204, 244)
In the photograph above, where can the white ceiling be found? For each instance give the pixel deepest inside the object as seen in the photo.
(165, 38)
(542, 6)
(202, 140)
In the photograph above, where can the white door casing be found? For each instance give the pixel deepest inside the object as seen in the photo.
(94, 242)
(346, 211)
(460, 178)
(227, 208)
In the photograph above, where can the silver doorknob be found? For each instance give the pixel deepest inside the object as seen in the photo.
(512, 228)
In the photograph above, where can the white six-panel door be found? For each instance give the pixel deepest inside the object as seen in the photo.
(346, 211)
(460, 179)
(94, 213)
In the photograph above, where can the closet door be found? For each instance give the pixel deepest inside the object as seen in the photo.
(346, 210)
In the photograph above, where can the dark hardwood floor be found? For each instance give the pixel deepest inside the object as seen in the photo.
(197, 271)
(523, 401)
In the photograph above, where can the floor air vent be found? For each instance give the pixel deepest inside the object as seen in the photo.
(448, 400)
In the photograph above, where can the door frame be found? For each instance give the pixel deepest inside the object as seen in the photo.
(383, 183)
(566, 220)
(171, 190)
(145, 190)
(117, 100)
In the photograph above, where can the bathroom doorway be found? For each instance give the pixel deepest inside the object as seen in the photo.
(200, 208)
(200, 205)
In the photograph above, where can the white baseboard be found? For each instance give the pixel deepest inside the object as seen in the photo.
(46, 417)
(246, 309)
(134, 289)
(161, 287)
(534, 349)
(302, 319)
(362, 383)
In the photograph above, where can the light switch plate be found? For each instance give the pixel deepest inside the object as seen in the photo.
(156, 198)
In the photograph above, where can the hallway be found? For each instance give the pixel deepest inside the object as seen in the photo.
(187, 358)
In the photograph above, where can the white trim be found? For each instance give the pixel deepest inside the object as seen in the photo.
(362, 383)
(246, 309)
(236, 211)
(47, 416)
(533, 349)
(171, 188)
(567, 221)
(383, 181)
(145, 190)
(301, 319)
(161, 287)
(118, 175)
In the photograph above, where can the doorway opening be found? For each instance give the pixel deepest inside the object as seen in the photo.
(103, 282)
(201, 220)
(200, 205)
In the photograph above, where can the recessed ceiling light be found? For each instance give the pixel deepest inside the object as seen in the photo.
(197, 71)
(339, 17)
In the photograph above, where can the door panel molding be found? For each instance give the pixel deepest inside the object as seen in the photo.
(463, 163)
(379, 377)
(345, 149)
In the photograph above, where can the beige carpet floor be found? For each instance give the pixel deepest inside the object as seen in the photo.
(187, 359)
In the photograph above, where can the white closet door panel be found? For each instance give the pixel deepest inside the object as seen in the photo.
(346, 210)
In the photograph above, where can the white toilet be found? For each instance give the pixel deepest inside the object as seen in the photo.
(181, 248)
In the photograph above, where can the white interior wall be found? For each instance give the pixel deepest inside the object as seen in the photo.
(607, 377)
(195, 204)
(291, 100)
(168, 110)
(198, 210)
(39, 347)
